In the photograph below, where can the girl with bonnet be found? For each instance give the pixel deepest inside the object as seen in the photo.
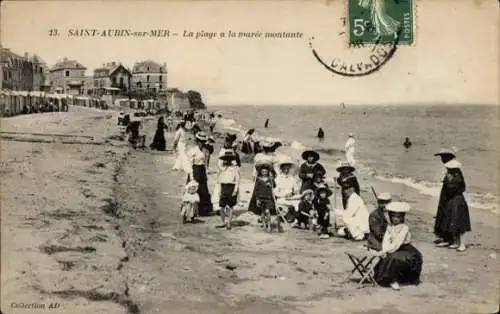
(400, 261)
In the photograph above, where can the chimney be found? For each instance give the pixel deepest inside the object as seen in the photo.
(65, 59)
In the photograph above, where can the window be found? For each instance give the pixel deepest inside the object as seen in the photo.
(96, 83)
(122, 81)
(139, 84)
(148, 69)
(147, 78)
(67, 73)
(161, 78)
(5, 75)
(113, 80)
(41, 70)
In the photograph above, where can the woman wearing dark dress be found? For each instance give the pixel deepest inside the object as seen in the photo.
(400, 261)
(309, 169)
(159, 142)
(452, 219)
(346, 174)
(199, 173)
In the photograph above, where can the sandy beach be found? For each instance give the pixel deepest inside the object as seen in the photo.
(93, 225)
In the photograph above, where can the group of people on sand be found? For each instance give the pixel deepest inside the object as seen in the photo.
(300, 196)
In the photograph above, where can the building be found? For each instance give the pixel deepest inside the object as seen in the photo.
(16, 71)
(67, 77)
(149, 76)
(40, 71)
(112, 75)
(88, 86)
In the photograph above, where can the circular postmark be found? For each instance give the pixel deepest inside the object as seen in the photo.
(361, 60)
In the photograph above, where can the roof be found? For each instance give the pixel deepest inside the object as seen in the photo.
(111, 68)
(67, 64)
(141, 67)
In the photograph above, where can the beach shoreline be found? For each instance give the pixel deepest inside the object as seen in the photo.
(150, 262)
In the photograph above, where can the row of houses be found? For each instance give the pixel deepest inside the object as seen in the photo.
(111, 80)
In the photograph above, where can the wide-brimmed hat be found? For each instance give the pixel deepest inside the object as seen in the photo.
(228, 155)
(453, 164)
(445, 151)
(202, 136)
(346, 166)
(285, 161)
(398, 207)
(324, 188)
(384, 197)
(312, 153)
(307, 192)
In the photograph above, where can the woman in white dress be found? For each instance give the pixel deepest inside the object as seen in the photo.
(179, 144)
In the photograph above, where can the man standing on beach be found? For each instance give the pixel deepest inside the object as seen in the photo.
(349, 149)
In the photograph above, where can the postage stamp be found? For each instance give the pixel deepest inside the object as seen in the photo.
(376, 21)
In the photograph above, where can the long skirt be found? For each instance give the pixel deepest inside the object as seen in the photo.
(159, 142)
(452, 218)
(205, 207)
(403, 266)
(181, 162)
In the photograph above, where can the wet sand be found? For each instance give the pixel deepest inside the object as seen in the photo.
(95, 227)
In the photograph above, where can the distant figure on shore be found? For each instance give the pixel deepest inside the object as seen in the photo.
(321, 134)
(407, 143)
(212, 122)
(266, 124)
(349, 149)
(179, 144)
(159, 142)
(135, 138)
(452, 218)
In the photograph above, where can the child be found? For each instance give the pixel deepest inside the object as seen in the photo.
(263, 196)
(305, 208)
(318, 181)
(309, 168)
(229, 181)
(190, 200)
(322, 205)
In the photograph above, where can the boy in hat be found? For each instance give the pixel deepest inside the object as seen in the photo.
(355, 216)
(345, 171)
(229, 181)
(378, 222)
(309, 168)
(322, 206)
(306, 207)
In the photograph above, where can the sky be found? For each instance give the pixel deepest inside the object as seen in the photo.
(454, 59)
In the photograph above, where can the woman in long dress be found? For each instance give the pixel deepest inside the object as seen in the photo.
(159, 142)
(452, 219)
(181, 162)
(400, 261)
(198, 172)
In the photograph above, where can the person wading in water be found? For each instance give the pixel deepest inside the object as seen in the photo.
(321, 135)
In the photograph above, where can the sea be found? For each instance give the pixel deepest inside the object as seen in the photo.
(471, 130)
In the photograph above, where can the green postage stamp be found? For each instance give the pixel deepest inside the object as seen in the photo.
(380, 21)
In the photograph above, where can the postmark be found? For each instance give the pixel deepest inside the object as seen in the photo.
(374, 29)
(376, 21)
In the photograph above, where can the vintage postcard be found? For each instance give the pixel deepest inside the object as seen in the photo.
(175, 157)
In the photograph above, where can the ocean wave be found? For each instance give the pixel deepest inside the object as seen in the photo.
(484, 201)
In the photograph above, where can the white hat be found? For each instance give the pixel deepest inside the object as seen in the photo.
(445, 151)
(191, 184)
(384, 196)
(351, 135)
(285, 160)
(266, 143)
(398, 207)
(452, 164)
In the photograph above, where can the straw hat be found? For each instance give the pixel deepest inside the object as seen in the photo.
(345, 165)
(201, 136)
(384, 196)
(228, 155)
(285, 161)
(312, 153)
(446, 151)
(307, 192)
(398, 207)
(453, 164)
(351, 135)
